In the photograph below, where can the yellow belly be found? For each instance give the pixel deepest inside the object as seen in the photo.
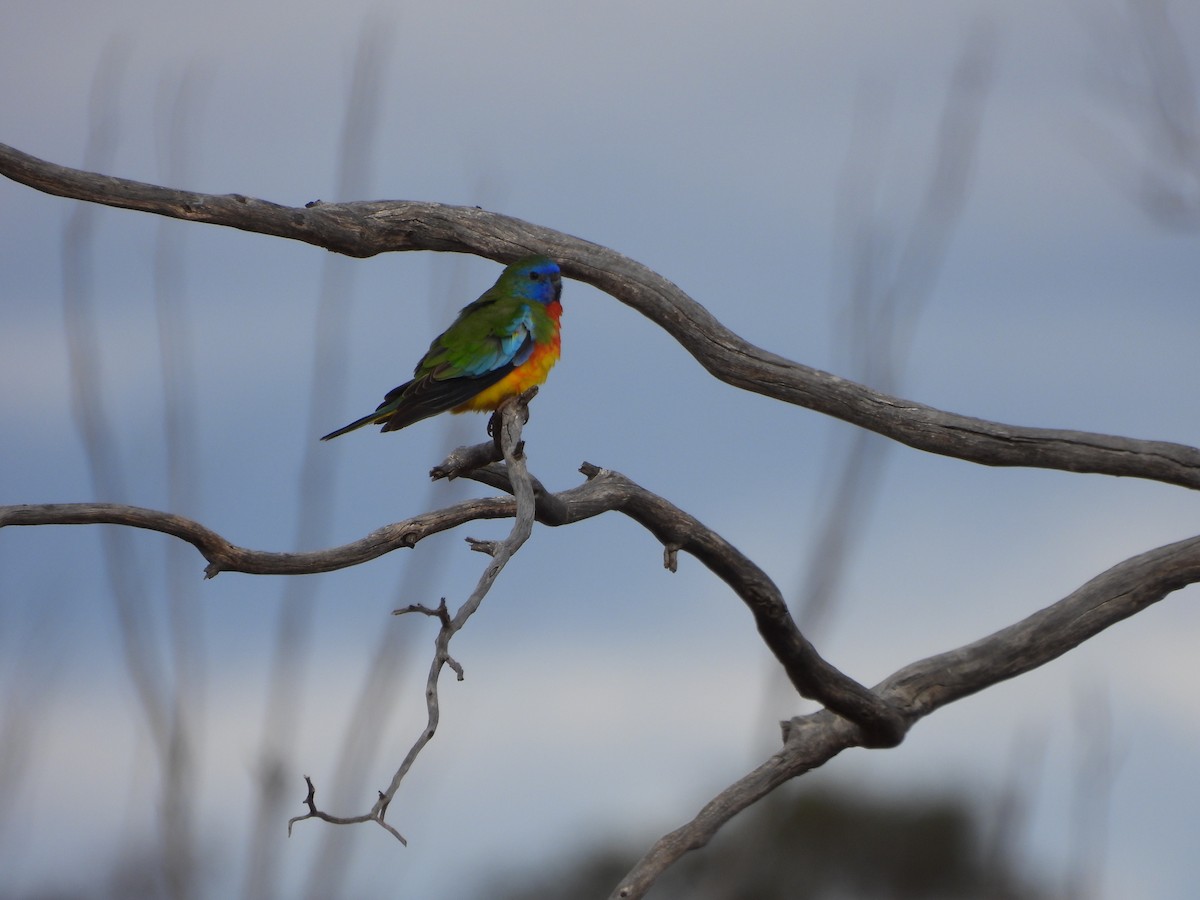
(533, 371)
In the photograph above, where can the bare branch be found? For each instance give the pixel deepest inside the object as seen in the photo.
(507, 422)
(809, 673)
(605, 490)
(310, 801)
(364, 229)
(922, 687)
(224, 556)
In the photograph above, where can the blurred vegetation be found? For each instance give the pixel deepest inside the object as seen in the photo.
(805, 845)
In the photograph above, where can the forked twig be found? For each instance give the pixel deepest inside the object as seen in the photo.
(507, 425)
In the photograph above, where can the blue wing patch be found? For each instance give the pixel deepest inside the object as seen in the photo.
(509, 348)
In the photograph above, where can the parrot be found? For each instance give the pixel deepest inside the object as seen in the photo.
(499, 346)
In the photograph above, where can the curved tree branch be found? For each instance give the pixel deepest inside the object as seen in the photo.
(365, 229)
(224, 556)
(922, 687)
(604, 491)
(811, 675)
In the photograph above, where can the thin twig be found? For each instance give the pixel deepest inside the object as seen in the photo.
(310, 800)
(510, 419)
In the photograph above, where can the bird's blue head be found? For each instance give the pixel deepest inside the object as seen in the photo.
(534, 278)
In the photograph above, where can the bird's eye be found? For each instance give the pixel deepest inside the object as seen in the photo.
(534, 276)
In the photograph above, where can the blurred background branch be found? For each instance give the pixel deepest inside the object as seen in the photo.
(318, 478)
(1144, 74)
(884, 293)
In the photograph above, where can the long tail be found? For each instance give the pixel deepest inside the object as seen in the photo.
(424, 397)
(357, 423)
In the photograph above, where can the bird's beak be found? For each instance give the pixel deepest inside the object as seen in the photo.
(557, 288)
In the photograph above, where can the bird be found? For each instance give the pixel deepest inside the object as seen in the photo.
(499, 346)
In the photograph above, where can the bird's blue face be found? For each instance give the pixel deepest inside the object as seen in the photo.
(537, 279)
